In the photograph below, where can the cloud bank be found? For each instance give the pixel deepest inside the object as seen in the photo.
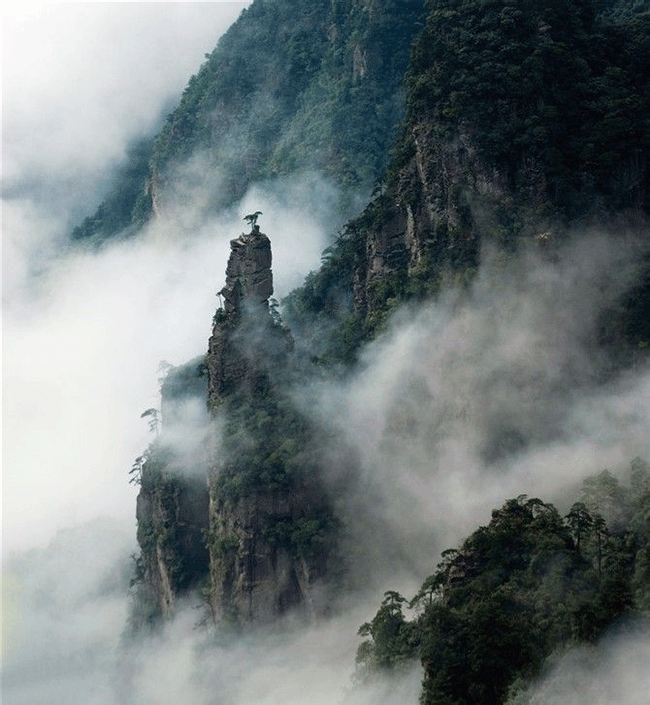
(616, 670)
(487, 394)
(462, 403)
(73, 102)
(66, 607)
(83, 341)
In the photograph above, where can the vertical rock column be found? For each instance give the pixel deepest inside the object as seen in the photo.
(257, 501)
(172, 504)
(246, 345)
(249, 280)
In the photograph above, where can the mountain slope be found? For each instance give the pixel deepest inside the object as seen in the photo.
(527, 584)
(292, 86)
(526, 123)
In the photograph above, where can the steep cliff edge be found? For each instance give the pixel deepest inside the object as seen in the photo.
(235, 509)
(270, 525)
(526, 122)
(518, 591)
(172, 504)
(172, 516)
(246, 343)
(292, 86)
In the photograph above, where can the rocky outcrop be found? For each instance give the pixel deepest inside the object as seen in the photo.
(239, 510)
(247, 347)
(249, 280)
(172, 504)
(499, 162)
(172, 517)
(236, 509)
(267, 511)
(258, 569)
(445, 201)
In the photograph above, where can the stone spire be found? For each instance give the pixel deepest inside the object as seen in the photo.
(246, 346)
(249, 281)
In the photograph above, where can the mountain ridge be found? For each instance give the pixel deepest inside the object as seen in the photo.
(525, 123)
(291, 86)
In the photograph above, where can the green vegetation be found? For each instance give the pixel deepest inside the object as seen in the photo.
(543, 103)
(322, 312)
(266, 446)
(154, 419)
(183, 381)
(541, 85)
(549, 99)
(308, 537)
(115, 213)
(251, 218)
(172, 519)
(624, 10)
(518, 589)
(293, 85)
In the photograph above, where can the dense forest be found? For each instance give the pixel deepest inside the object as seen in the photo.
(517, 590)
(482, 125)
(524, 121)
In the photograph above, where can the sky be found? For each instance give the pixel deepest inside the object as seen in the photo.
(72, 104)
(84, 333)
(83, 336)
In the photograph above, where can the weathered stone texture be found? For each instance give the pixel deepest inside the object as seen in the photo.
(249, 281)
(194, 525)
(172, 516)
(255, 578)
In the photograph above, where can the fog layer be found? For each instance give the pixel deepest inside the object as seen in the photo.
(488, 394)
(425, 418)
(460, 404)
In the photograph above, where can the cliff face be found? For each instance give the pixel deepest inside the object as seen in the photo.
(507, 145)
(524, 120)
(172, 518)
(172, 504)
(444, 202)
(264, 516)
(259, 569)
(503, 146)
(525, 123)
(246, 344)
(238, 512)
